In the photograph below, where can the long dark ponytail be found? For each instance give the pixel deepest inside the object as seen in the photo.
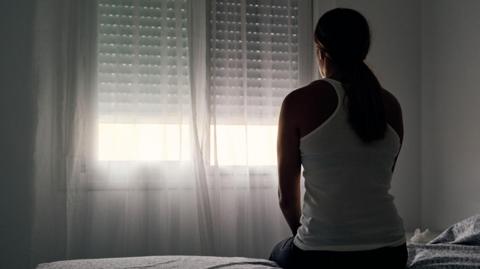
(344, 36)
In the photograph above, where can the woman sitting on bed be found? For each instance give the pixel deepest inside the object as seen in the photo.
(346, 131)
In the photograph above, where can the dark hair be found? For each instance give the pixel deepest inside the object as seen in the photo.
(345, 37)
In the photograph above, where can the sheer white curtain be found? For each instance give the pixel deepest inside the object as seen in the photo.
(157, 124)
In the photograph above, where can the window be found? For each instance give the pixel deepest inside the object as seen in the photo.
(253, 65)
(143, 79)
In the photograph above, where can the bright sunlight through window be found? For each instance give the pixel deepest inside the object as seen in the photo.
(243, 145)
(230, 145)
(143, 142)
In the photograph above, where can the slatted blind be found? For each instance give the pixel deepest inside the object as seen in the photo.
(254, 58)
(143, 73)
(143, 59)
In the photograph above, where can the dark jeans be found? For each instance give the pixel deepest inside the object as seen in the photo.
(287, 255)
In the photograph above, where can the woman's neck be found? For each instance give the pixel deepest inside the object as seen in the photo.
(331, 71)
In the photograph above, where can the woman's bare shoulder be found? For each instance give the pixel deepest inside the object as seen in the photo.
(390, 97)
(308, 107)
(304, 94)
(391, 102)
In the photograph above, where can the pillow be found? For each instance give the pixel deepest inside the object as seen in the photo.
(465, 232)
(420, 237)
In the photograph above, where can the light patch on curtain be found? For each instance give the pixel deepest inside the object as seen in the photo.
(143, 142)
(230, 145)
(243, 145)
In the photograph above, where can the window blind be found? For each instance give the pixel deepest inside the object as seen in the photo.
(253, 58)
(143, 61)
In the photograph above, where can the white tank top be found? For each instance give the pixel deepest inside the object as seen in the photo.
(347, 205)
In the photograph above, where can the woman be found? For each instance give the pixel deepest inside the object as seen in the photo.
(346, 131)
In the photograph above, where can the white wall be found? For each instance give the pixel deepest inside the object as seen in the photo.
(395, 59)
(17, 108)
(450, 111)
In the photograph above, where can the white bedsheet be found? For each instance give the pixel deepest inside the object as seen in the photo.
(163, 262)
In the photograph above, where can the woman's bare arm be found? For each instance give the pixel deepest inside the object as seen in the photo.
(288, 156)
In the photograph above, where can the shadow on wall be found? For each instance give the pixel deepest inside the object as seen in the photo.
(17, 106)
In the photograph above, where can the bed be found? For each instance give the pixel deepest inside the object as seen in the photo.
(163, 262)
(457, 247)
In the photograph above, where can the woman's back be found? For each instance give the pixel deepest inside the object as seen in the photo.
(347, 136)
(347, 206)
